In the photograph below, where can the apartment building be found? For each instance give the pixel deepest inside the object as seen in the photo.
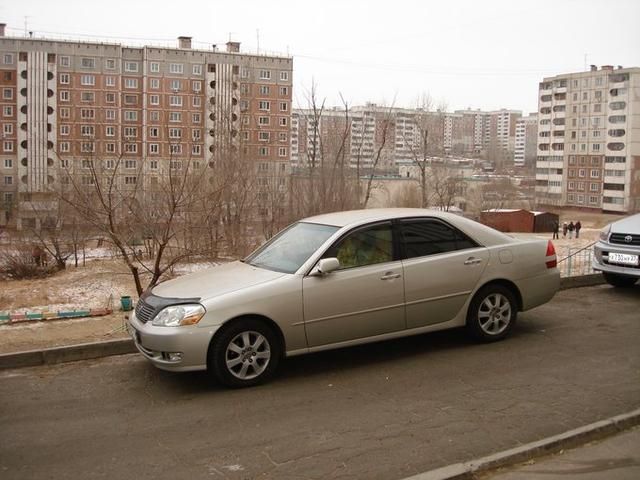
(65, 104)
(588, 152)
(526, 141)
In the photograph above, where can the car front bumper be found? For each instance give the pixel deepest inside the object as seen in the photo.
(601, 263)
(176, 349)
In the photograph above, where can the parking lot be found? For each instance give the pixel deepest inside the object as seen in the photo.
(383, 411)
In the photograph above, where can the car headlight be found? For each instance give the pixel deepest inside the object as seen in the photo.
(604, 233)
(179, 315)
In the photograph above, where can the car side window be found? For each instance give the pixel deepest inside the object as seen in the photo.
(430, 237)
(366, 246)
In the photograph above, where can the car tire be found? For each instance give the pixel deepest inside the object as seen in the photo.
(244, 354)
(621, 281)
(492, 313)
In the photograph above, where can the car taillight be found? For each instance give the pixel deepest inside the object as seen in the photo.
(551, 252)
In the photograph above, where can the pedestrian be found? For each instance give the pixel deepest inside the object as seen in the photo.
(578, 226)
(564, 229)
(570, 228)
(556, 227)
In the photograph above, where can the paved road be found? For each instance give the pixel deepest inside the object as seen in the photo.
(382, 411)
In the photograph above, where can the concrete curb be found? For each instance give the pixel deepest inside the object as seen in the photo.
(547, 446)
(581, 281)
(71, 353)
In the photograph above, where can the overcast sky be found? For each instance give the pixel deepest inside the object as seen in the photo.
(465, 53)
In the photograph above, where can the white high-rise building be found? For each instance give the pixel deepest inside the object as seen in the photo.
(526, 140)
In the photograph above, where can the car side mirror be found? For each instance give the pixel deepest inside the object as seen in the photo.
(325, 266)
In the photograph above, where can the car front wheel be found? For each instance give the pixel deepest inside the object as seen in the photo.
(619, 280)
(246, 353)
(492, 313)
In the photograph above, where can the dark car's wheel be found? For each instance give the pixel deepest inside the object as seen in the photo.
(492, 313)
(246, 353)
(619, 280)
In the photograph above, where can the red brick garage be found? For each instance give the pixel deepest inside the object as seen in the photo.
(520, 220)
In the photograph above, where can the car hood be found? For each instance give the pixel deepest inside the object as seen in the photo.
(215, 281)
(627, 225)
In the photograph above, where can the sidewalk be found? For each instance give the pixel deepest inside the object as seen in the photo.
(614, 458)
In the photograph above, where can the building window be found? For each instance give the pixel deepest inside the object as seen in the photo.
(283, 121)
(8, 180)
(264, 106)
(594, 187)
(154, 115)
(284, 106)
(110, 131)
(153, 164)
(244, 105)
(284, 76)
(197, 101)
(110, 63)
(196, 69)
(154, 99)
(263, 120)
(282, 151)
(176, 68)
(110, 97)
(263, 151)
(175, 116)
(64, 95)
(87, 130)
(110, 114)
(175, 133)
(88, 147)
(87, 63)
(131, 67)
(196, 149)
(110, 148)
(175, 149)
(284, 91)
(195, 118)
(87, 80)
(196, 135)
(7, 59)
(154, 132)
(130, 99)
(282, 136)
(263, 136)
(175, 85)
(130, 180)
(154, 67)
(7, 129)
(154, 148)
(65, 78)
(8, 163)
(130, 148)
(196, 85)
(7, 146)
(64, 112)
(110, 81)
(244, 73)
(65, 61)
(130, 132)
(63, 147)
(175, 100)
(154, 83)
(130, 83)
(64, 130)
(130, 115)
(265, 75)
(130, 164)
(264, 90)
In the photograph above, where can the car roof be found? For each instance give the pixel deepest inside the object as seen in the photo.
(354, 217)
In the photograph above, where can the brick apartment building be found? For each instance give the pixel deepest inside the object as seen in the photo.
(65, 102)
(588, 153)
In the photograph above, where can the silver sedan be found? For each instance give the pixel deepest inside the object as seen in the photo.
(343, 279)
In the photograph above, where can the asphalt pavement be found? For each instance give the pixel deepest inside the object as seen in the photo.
(383, 411)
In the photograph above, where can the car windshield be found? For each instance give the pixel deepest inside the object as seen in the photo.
(288, 250)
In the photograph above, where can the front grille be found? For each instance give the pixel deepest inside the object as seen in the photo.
(144, 311)
(621, 238)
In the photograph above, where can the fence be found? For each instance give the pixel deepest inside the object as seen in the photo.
(576, 261)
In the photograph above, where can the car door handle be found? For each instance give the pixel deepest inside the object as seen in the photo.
(390, 276)
(472, 261)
